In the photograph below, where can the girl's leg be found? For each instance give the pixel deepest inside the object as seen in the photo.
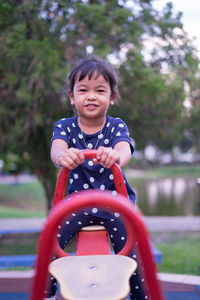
(65, 233)
(117, 231)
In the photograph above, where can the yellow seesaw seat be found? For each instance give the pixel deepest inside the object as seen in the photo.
(93, 277)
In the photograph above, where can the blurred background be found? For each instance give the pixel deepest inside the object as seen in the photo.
(158, 61)
(152, 43)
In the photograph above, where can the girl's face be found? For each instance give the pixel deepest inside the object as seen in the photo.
(92, 97)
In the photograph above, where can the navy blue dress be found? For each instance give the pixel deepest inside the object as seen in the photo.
(89, 175)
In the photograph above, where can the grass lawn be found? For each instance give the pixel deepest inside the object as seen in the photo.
(9, 212)
(191, 171)
(180, 252)
(22, 200)
(177, 171)
(21, 244)
(182, 258)
(181, 171)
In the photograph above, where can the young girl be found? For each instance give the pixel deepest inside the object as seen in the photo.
(93, 89)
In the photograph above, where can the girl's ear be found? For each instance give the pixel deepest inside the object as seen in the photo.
(71, 97)
(113, 97)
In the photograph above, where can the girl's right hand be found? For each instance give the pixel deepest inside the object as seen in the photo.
(70, 158)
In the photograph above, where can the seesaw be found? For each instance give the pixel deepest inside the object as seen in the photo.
(94, 273)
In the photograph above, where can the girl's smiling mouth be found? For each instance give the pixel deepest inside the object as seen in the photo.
(91, 106)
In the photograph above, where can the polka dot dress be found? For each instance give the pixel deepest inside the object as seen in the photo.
(90, 176)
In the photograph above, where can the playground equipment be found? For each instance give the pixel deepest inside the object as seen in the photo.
(94, 273)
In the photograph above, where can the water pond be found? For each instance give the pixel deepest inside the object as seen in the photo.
(167, 196)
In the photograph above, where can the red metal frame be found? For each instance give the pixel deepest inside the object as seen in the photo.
(93, 198)
(93, 243)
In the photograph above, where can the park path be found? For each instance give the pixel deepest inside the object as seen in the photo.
(159, 224)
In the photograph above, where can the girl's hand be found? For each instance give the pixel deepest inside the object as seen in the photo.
(70, 158)
(106, 156)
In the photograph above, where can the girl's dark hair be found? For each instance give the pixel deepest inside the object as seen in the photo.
(90, 65)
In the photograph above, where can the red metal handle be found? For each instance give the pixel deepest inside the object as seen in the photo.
(89, 154)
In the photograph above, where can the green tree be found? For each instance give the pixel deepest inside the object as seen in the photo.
(155, 102)
(41, 40)
(191, 123)
(153, 87)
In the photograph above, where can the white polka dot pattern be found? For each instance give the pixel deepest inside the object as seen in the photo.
(80, 136)
(90, 146)
(90, 163)
(111, 177)
(63, 133)
(100, 136)
(102, 187)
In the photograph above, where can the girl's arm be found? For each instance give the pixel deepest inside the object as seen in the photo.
(63, 156)
(124, 151)
(107, 156)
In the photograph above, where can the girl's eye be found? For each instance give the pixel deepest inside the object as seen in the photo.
(100, 91)
(82, 90)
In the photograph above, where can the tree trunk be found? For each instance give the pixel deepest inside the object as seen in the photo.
(49, 191)
(48, 181)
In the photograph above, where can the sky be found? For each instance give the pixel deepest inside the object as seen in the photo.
(190, 18)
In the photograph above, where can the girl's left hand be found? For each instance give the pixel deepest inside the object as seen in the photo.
(106, 156)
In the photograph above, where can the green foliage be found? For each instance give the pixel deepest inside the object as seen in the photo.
(41, 40)
(155, 102)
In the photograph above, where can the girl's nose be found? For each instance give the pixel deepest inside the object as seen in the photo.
(91, 96)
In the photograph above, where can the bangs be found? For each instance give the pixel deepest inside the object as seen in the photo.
(91, 69)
